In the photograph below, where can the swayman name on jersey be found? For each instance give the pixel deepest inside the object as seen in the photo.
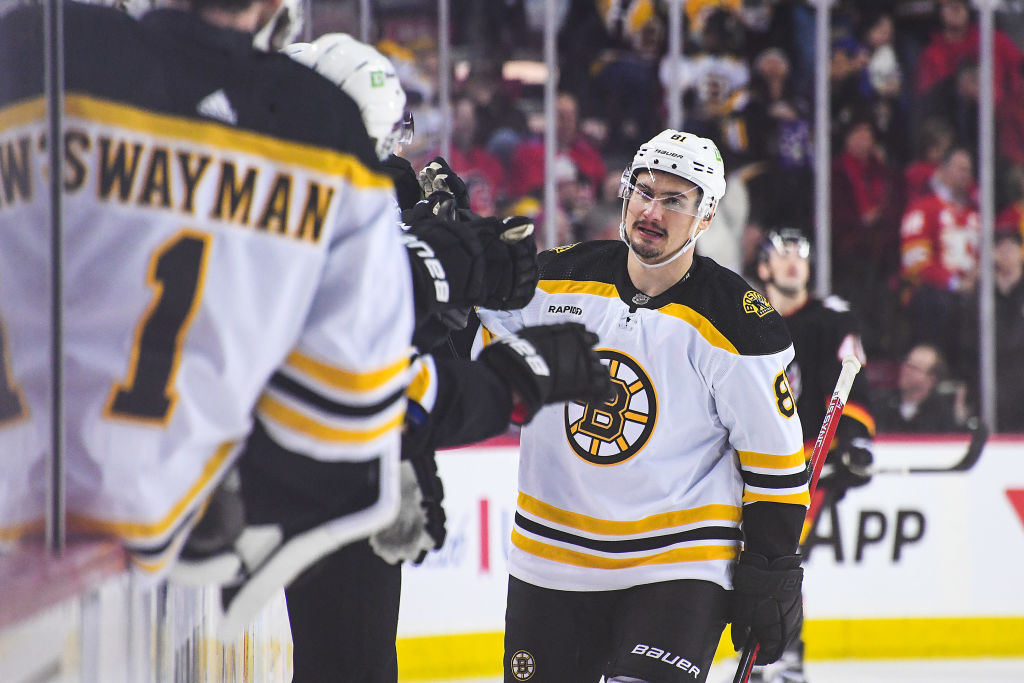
(212, 272)
(651, 485)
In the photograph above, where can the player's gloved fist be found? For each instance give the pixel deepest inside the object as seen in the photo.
(448, 266)
(438, 175)
(766, 602)
(511, 254)
(407, 537)
(546, 364)
(440, 204)
(407, 186)
(847, 467)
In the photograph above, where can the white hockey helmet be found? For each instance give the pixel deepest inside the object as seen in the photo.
(368, 77)
(688, 156)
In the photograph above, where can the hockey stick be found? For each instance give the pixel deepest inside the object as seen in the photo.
(979, 436)
(851, 366)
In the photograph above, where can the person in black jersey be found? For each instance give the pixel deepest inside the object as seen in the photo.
(824, 331)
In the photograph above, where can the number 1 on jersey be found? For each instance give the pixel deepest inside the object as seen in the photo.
(176, 274)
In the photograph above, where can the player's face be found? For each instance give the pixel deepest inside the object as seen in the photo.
(660, 215)
(789, 270)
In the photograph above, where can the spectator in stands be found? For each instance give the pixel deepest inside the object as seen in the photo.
(848, 76)
(917, 405)
(1009, 333)
(866, 205)
(939, 256)
(527, 175)
(884, 80)
(1009, 277)
(1012, 216)
(483, 174)
(956, 41)
(501, 124)
(608, 54)
(776, 126)
(934, 142)
(714, 75)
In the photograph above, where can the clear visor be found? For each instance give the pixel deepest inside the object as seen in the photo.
(641, 193)
(787, 245)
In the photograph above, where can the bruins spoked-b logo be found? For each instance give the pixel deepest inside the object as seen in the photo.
(614, 431)
(523, 665)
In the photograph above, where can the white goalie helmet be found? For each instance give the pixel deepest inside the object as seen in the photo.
(688, 156)
(368, 77)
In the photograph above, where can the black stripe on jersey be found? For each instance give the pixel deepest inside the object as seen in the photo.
(295, 389)
(707, 533)
(775, 481)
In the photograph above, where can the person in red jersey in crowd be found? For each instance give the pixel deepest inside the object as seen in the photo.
(955, 42)
(939, 254)
(528, 161)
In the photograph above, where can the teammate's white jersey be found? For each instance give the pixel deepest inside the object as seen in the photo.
(649, 485)
(212, 272)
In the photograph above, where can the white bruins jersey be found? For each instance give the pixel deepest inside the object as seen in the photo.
(651, 485)
(221, 259)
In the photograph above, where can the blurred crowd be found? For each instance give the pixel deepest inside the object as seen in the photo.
(904, 87)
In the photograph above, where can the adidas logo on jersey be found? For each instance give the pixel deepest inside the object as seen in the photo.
(217, 106)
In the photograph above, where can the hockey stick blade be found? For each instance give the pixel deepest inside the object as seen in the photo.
(979, 437)
(851, 366)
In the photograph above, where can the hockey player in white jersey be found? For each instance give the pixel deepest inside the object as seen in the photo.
(230, 254)
(646, 522)
(344, 610)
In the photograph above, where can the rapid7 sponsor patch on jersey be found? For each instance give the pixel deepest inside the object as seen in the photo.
(571, 310)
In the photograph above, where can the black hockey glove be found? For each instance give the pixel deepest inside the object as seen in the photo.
(548, 364)
(448, 266)
(766, 601)
(511, 254)
(420, 525)
(848, 466)
(438, 176)
(407, 186)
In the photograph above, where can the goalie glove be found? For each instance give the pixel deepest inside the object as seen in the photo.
(546, 364)
(438, 176)
(766, 602)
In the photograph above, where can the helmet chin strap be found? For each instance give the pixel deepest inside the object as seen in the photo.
(679, 252)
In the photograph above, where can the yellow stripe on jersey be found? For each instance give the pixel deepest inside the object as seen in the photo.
(770, 461)
(420, 384)
(303, 424)
(662, 520)
(860, 414)
(699, 553)
(701, 324)
(154, 530)
(20, 113)
(802, 498)
(13, 533)
(346, 380)
(684, 313)
(578, 287)
(225, 137)
(486, 336)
